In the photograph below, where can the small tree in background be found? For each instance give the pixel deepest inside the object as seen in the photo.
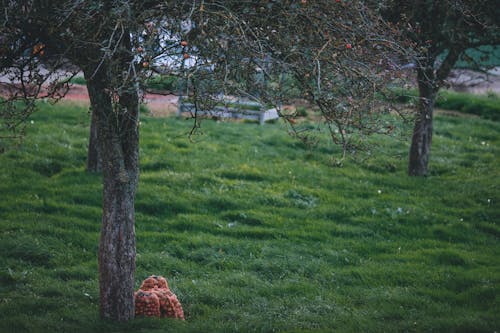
(440, 32)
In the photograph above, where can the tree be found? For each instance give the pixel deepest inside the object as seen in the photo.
(338, 55)
(327, 46)
(94, 159)
(441, 32)
(94, 37)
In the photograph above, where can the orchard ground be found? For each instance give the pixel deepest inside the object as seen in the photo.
(257, 232)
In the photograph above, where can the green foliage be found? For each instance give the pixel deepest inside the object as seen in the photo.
(78, 80)
(144, 110)
(168, 83)
(401, 95)
(301, 111)
(486, 56)
(163, 83)
(485, 106)
(256, 232)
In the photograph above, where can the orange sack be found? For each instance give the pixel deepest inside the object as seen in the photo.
(154, 299)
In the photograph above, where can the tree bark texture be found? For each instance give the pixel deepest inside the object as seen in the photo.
(94, 162)
(422, 131)
(429, 82)
(119, 143)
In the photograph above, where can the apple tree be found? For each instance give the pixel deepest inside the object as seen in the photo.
(440, 33)
(340, 53)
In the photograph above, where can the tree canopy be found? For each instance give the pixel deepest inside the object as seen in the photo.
(340, 53)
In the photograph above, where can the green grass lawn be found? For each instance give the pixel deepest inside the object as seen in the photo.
(486, 106)
(256, 232)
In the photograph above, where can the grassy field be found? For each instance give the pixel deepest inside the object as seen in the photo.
(258, 233)
(486, 106)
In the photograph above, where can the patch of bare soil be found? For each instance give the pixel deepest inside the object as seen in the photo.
(161, 105)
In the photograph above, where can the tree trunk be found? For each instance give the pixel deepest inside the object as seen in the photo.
(94, 162)
(94, 159)
(119, 143)
(422, 131)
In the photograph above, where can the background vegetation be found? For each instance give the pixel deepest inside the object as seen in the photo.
(257, 232)
(486, 106)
